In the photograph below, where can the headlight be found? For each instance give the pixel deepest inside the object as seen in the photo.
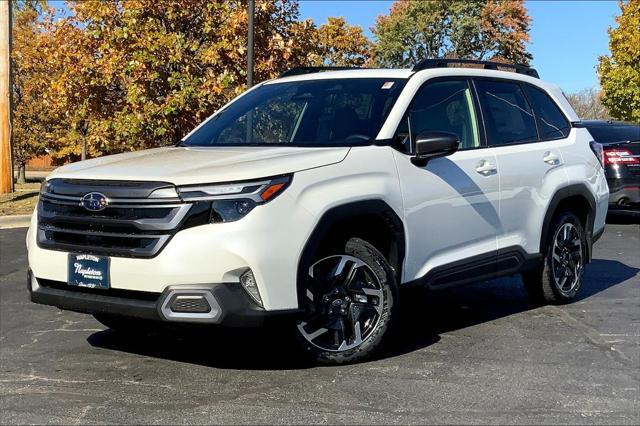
(233, 201)
(44, 187)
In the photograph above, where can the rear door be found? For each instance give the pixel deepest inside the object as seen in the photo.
(526, 130)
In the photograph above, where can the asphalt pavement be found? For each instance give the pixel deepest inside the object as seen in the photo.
(478, 354)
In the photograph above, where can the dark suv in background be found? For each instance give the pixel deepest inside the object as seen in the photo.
(621, 157)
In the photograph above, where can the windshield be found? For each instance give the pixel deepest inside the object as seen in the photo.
(331, 112)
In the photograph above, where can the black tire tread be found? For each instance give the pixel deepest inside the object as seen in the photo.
(365, 251)
(539, 282)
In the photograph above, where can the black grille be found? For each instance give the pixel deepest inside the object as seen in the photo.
(111, 213)
(127, 227)
(190, 304)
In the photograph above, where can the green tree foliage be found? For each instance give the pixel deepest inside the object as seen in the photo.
(471, 29)
(620, 71)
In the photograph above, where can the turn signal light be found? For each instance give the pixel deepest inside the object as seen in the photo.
(271, 191)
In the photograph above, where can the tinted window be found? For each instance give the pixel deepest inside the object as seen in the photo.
(508, 117)
(607, 133)
(445, 106)
(551, 123)
(303, 113)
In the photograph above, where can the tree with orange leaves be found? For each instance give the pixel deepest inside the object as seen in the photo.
(341, 44)
(142, 73)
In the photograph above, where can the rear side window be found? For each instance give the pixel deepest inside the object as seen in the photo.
(551, 122)
(508, 116)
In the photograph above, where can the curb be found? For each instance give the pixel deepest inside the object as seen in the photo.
(15, 221)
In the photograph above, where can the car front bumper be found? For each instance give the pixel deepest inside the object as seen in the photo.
(225, 303)
(266, 241)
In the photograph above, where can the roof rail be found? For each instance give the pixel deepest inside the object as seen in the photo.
(488, 65)
(310, 70)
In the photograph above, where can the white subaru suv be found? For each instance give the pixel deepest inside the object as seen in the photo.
(319, 194)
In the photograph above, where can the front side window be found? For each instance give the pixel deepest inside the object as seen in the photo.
(444, 106)
(326, 112)
(551, 122)
(507, 115)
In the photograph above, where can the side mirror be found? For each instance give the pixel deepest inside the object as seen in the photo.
(432, 144)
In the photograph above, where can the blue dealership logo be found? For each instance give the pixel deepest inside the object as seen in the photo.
(94, 201)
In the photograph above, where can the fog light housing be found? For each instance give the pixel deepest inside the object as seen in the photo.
(249, 284)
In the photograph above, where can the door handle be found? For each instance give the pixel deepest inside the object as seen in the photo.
(551, 158)
(486, 168)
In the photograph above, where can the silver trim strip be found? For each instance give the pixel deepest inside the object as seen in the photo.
(168, 296)
(119, 202)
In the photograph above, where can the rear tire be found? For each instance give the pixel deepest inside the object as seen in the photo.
(351, 302)
(559, 278)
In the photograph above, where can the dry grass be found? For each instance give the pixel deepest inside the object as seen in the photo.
(23, 201)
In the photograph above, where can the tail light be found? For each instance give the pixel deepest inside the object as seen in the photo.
(619, 156)
(597, 150)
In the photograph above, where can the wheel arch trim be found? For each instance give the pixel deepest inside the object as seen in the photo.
(578, 189)
(344, 211)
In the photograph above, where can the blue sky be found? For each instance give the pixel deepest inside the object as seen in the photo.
(566, 36)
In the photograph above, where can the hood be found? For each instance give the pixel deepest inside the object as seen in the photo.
(188, 165)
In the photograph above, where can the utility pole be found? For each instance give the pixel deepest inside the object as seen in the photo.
(6, 175)
(251, 11)
(251, 6)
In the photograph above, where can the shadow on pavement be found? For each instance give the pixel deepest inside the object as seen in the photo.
(602, 274)
(424, 316)
(623, 218)
(25, 195)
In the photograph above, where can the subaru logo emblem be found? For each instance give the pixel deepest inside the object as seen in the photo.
(94, 201)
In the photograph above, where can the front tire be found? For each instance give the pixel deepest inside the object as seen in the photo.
(350, 300)
(559, 278)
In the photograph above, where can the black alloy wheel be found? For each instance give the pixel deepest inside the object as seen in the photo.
(349, 299)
